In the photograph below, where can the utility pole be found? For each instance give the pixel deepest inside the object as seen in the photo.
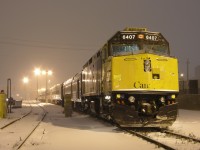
(9, 95)
(188, 69)
(188, 62)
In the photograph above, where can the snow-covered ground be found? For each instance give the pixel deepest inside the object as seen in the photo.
(188, 123)
(85, 133)
(80, 132)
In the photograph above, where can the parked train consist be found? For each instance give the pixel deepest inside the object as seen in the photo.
(53, 95)
(132, 80)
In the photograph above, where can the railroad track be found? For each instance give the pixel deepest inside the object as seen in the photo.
(165, 138)
(22, 128)
(32, 131)
(17, 119)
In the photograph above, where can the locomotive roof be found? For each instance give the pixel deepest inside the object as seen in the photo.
(137, 31)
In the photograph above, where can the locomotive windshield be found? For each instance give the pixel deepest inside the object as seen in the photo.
(135, 43)
(156, 48)
(124, 49)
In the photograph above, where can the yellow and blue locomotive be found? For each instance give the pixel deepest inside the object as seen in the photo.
(132, 80)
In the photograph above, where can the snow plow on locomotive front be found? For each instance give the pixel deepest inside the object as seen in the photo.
(144, 110)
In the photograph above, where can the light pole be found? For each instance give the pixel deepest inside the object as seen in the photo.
(25, 81)
(188, 89)
(46, 73)
(37, 72)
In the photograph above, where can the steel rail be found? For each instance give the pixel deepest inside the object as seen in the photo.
(182, 136)
(149, 139)
(15, 120)
(165, 146)
(44, 115)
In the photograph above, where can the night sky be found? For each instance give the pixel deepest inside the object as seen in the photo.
(62, 35)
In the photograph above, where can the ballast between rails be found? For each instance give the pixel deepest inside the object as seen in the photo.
(150, 140)
(181, 136)
(44, 115)
(174, 135)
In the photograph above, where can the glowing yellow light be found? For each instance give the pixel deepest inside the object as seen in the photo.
(118, 96)
(50, 72)
(140, 36)
(25, 80)
(43, 72)
(37, 71)
(173, 96)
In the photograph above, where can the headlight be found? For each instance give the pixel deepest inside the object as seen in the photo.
(120, 96)
(131, 99)
(173, 96)
(162, 99)
(147, 65)
(107, 97)
(147, 62)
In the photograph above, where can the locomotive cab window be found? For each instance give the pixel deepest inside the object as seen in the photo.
(154, 47)
(159, 48)
(124, 49)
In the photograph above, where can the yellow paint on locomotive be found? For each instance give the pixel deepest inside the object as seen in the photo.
(128, 73)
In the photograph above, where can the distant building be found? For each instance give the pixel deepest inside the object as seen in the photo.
(191, 87)
(197, 72)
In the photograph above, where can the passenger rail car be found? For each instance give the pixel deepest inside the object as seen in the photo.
(72, 90)
(41, 95)
(53, 95)
(132, 80)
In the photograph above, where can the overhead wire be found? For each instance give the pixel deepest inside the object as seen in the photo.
(39, 44)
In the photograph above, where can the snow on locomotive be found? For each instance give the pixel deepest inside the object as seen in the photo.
(132, 80)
